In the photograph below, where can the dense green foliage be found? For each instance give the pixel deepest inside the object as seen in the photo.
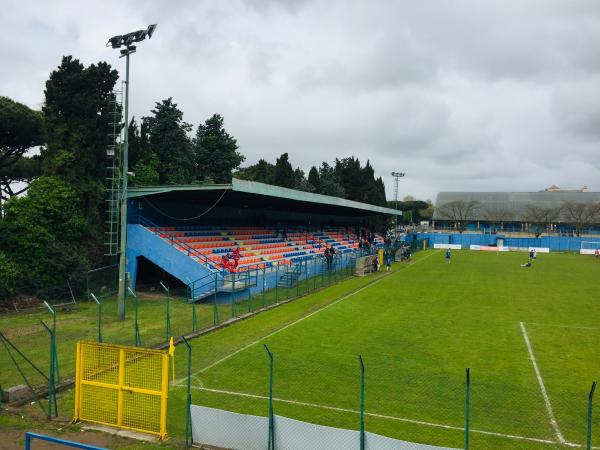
(215, 151)
(41, 232)
(347, 178)
(21, 128)
(168, 139)
(76, 117)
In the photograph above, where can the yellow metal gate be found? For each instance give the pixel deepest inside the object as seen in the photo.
(125, 387)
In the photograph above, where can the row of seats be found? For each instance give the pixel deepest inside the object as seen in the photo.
(259, 247)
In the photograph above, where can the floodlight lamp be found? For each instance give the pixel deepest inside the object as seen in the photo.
(128, 39)
(398, 174)
(139, 35)
(150, 30)
(115, 41)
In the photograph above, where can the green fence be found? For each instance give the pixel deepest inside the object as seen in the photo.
(464, 409)
(149, 321)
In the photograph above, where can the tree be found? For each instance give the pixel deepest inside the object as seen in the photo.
(216, 151)
(283, 175)
(581, 215)
(10, 277)
(168, 140)
(330, 181)
(21, 129)
(146, 171)
(262, 172)
(459, 212)
(540, 218)
(39, 235)
(77, 110)
(314, 180)
(498, 216)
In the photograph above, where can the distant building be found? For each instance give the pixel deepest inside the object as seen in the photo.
(511, 210)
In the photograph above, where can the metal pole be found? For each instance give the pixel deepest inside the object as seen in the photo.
(138, 339)
(125, 169)
(168, 312)
(467, 409)
(53, 337)
(99, 316)
(589, 416)
(362, 403)
(188, 421)
(271, 443)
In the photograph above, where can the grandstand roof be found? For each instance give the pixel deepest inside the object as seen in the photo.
(516, 202)
(259, 195)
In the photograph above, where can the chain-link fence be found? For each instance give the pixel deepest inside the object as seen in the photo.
(369, 405)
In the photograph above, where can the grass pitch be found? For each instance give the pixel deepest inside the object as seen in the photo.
(417, 330)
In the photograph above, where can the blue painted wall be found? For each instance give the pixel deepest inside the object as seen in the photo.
(142, 242)
(554, 243)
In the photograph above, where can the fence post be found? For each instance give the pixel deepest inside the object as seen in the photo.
(264, 282)
(362, 403)
(55, 360)
(188, 422)
(194, 318)
(136, 326)
(215, 307)
(589, 416)
(233, 312)
(277, 283)
(168, 312)
(271, 440)
(99, 316)
(51, 377)
(467, 409)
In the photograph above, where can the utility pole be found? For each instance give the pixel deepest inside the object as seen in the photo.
(126, 40)
(397, 176)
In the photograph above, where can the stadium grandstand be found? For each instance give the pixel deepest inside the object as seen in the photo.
(207, 235)
(561, 211)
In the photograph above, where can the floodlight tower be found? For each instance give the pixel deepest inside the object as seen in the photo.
(126, 41)
(397, 176)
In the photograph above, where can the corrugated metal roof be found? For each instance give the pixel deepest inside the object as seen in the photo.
(516, 202)
(262, 189)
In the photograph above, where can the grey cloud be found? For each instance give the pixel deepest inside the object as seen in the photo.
(462, 95)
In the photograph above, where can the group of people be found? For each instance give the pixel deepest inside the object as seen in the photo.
(366, 240)
(230, 261)
(328, 254)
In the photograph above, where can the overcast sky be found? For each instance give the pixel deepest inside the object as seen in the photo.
(460, 95)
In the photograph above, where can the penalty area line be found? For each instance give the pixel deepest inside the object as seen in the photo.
(303, 318)
(371, 414)
(540, 381)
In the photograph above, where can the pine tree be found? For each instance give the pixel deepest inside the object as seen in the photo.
(168, 140)
(216, 151)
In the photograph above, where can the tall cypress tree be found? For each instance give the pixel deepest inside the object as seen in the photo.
(77, 111)
(168, 140)
(216, 151)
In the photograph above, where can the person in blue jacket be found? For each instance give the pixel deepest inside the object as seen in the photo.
(448, 255)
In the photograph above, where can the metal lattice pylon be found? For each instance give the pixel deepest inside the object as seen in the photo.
(113, 175)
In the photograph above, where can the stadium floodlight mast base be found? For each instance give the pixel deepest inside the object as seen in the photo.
(126, 40)
(397, 176)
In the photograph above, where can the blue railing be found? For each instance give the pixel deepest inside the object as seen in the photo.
(31, 436)
(173, 240)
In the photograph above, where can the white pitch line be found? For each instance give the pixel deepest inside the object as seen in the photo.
(577, 327)
(538, 375)
(301, 319)
(379, 416)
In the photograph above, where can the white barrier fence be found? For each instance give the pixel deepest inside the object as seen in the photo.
(488, 248)
(451, 246)
(226, 429)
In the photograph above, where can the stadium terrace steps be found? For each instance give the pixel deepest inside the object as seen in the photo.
(259, 247)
